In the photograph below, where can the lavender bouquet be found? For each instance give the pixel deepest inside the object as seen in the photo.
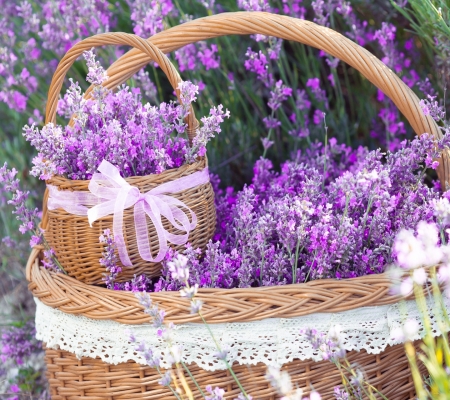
(139, 139)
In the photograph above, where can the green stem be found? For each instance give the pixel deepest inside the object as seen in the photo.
(269, 134)
(193, 378)
(225, 361)
(294, 268)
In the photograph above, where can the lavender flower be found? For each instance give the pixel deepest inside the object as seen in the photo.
(319, 94)
(215, 394)
(96, 73)
(208, 57)
(267, 144)
(166, 380)
(340, 394)
(254, 5)
(148, 87)
(56, 26)
(210, 126)
(109, 259)
(279, 94)
(18, 343)
(151, 359)
(257, 62)
(152, 310)
(148, 17)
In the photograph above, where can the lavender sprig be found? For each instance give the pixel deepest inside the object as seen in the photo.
(29, 218)
(109, 259)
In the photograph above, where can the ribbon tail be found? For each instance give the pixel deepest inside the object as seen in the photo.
(118, 227)
(152, 211)
(168, 209)
(173, 210)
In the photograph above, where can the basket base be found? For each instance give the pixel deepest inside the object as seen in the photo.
(93, 379)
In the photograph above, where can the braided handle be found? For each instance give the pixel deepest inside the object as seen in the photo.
(149, 49)
(288, 28)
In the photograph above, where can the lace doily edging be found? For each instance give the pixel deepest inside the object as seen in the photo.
(274, 341)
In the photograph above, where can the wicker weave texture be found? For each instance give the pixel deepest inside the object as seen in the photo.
(75, 243)
(93, 379)
(220, 305)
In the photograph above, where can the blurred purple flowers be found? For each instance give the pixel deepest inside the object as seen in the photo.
(45, 27)
(18, 343)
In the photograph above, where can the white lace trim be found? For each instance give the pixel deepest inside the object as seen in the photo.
(273, 341)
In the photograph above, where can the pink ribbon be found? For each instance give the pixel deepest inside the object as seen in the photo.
(112, 194)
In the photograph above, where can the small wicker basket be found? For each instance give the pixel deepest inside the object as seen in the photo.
(75, 243)
(87, 378)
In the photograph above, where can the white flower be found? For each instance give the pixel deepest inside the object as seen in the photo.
(406, 287)
(178, 268)
(176, 354)
(315, 396)
(297, 394)
(408, 332)
(190, 292)
(409, 250)
(428, 234)
(419, 276)
(411, 329)
(279, 379)
(196, 306)
(444, 274)
(442, 210)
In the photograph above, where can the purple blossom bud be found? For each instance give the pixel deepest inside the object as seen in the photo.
(166, 380)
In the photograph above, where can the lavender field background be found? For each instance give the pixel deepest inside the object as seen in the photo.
(282, 97)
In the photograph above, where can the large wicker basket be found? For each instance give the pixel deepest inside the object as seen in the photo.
(93, 378)
(75, 243)
(88, 378)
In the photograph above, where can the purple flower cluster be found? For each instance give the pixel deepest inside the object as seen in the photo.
(148, 16)
(332, 212)
(139, 139)
(27, 217)
(21, 373)
(193, 56)
(109, 260)
(18, 343)
(329, 346)
(45, 27)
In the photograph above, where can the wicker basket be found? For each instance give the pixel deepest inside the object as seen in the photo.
(86, 378)
(75, 243)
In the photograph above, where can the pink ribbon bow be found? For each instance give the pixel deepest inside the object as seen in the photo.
(112, 194)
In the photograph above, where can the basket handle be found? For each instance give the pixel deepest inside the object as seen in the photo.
(149, 49)
(288, 28)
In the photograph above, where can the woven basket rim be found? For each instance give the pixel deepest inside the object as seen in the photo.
(220, 305)
(166, 176)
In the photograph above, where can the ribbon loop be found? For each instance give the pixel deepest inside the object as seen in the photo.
(112, 194)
